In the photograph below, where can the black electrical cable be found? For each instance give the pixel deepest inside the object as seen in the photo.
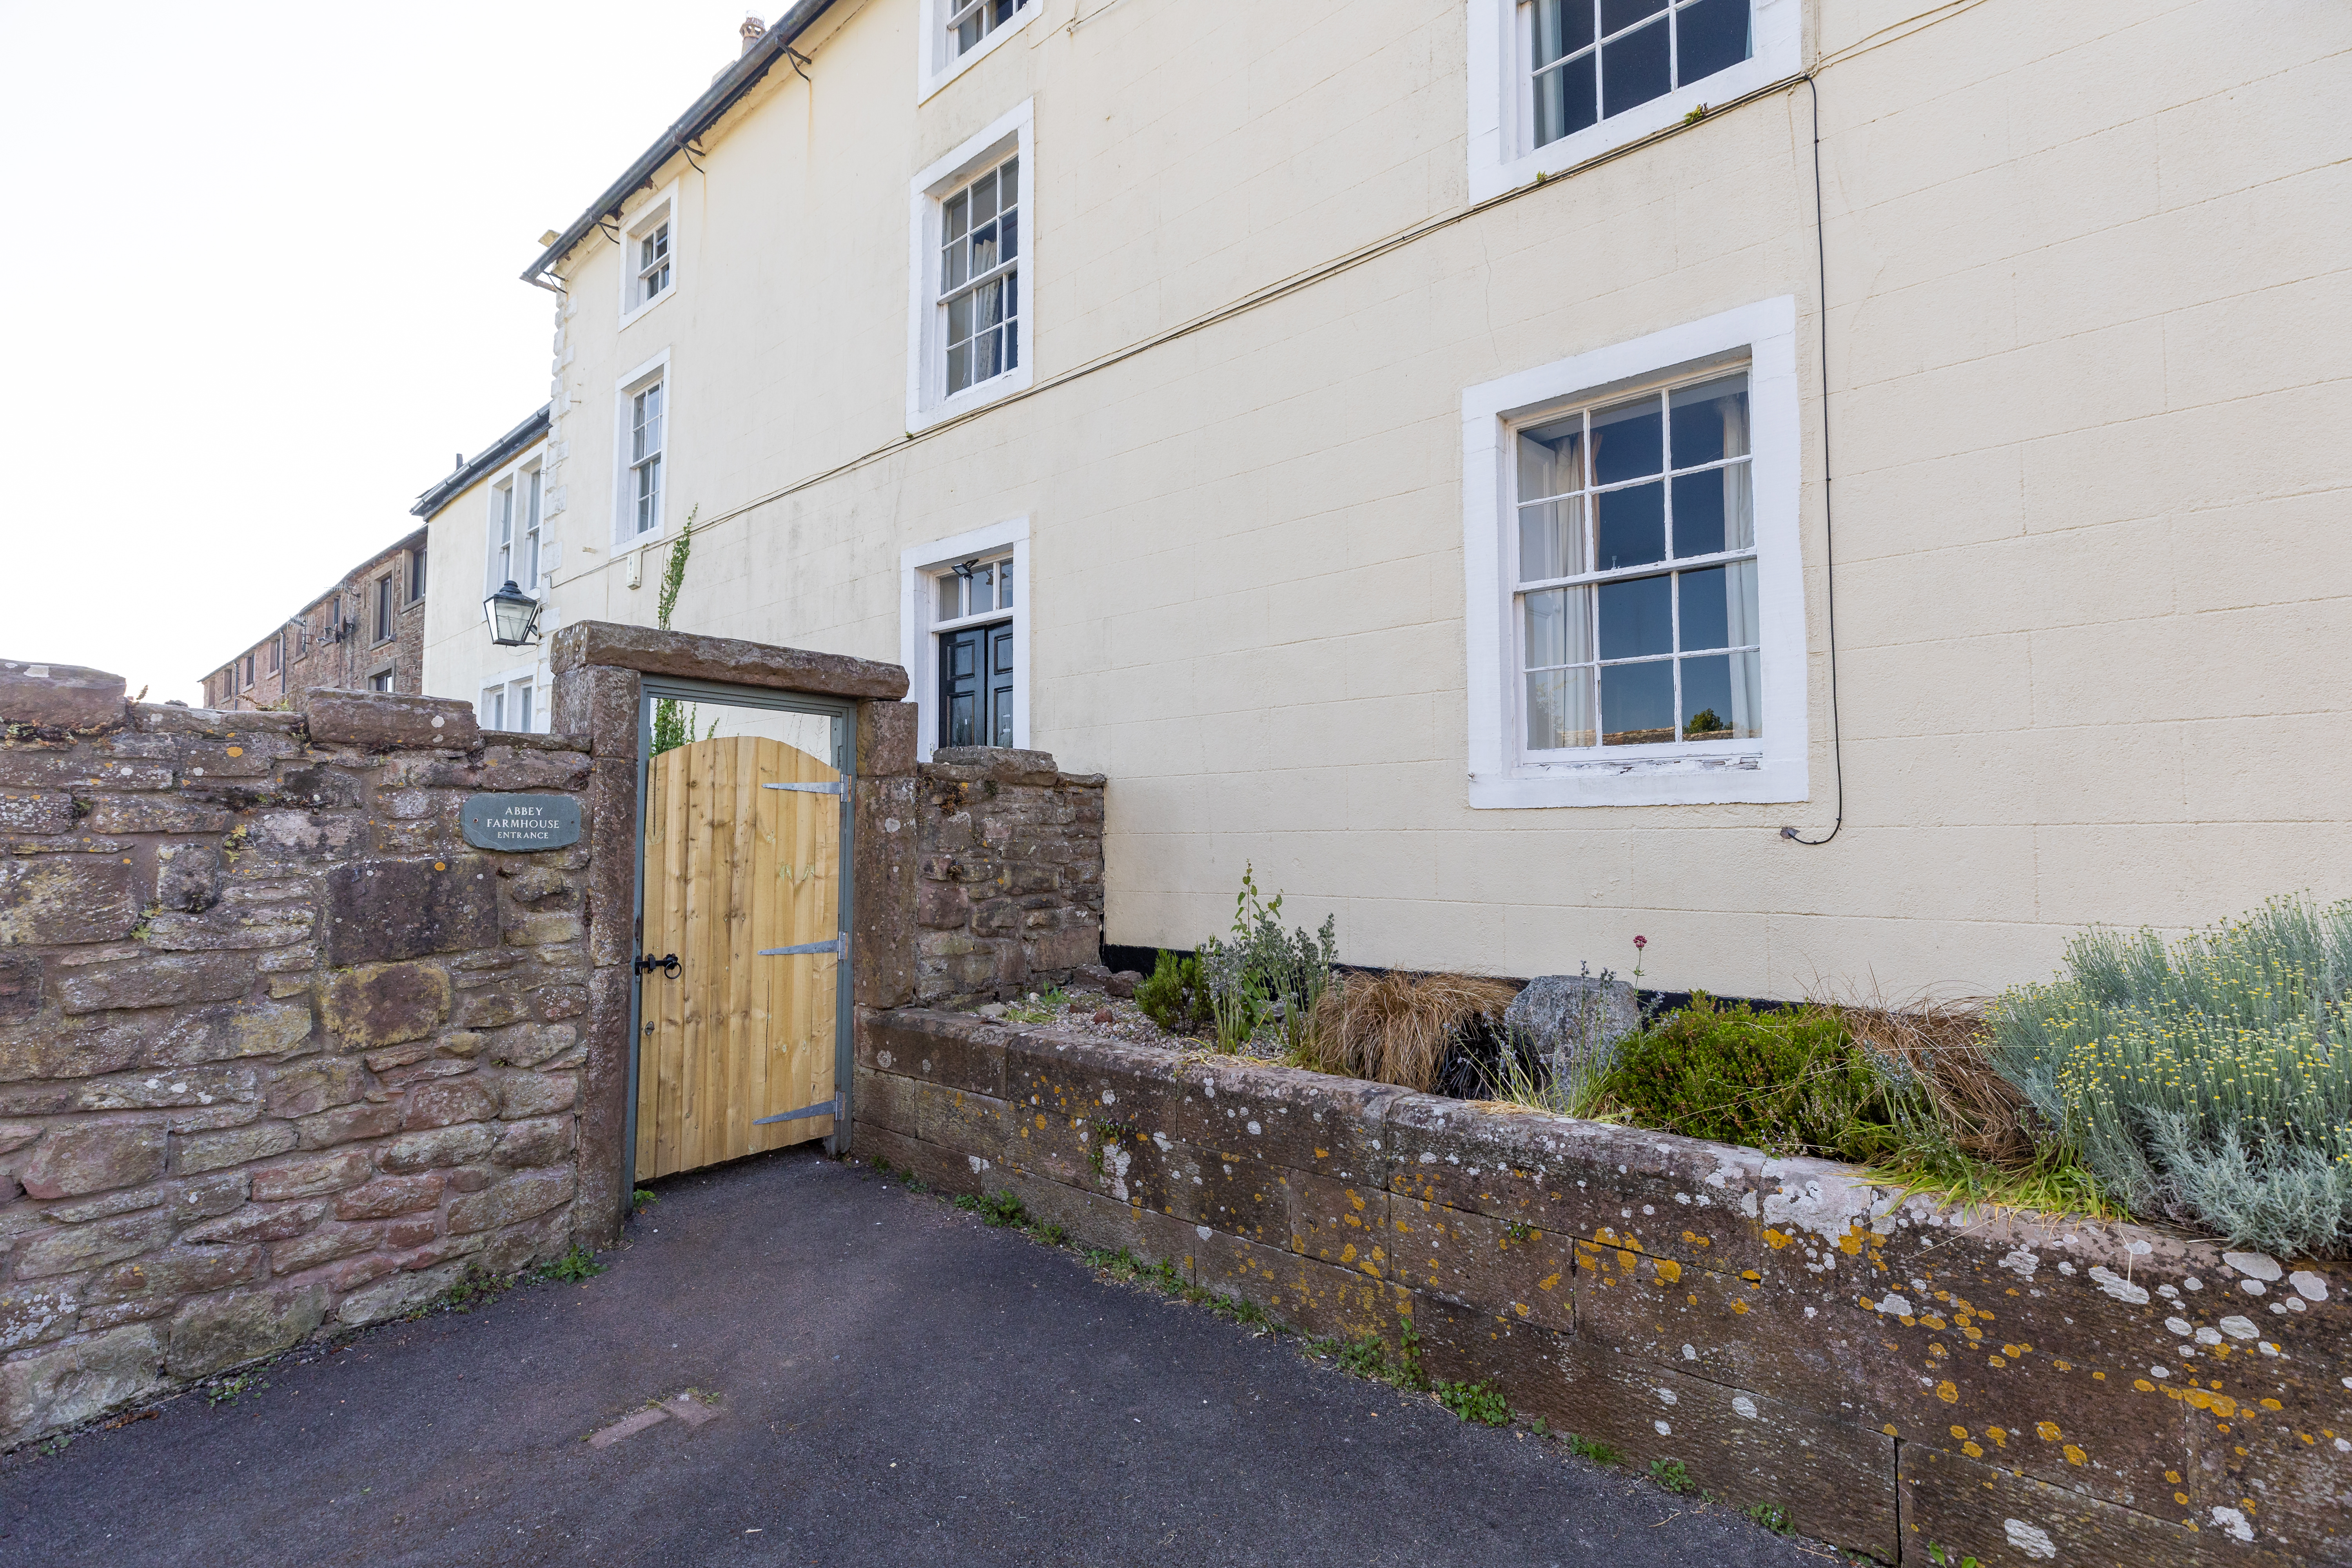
(1828, 538)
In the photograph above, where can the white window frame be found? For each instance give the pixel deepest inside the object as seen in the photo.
(626, 535)
(662, 209)
(927, 400)
(516, 481)
(936, 63)
(919, 645)
(525, 676)
(1772, 768)
(1502, 155)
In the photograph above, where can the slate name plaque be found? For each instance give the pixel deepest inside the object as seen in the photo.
(519, 824)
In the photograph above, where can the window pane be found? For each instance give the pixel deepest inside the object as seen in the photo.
(1632, 527)
(1710, 421)
(983, 589)
(1628, 441)
(1561, 27)
(1620, 14)
(1636, 618)
(1008, 236)
(983, 247)
(951, 596)
(983, 199)
(1005, 585)
(1551, 540)
(959, 367)
(1008, 183)
(1634, 68)
(952, 267)
(1722, 697)
(1565, 99)
(1698, 512)
(960, 318)
(1556, 629)
(1707, 619)
(959, 215)
(1637, 703)
(522, 706)
(991, 298)
(988, 354)
(1559, 709)
(1714, 36)
(1551, 460)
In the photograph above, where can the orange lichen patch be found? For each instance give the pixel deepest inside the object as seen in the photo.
(1959, 1432)
(2306, 1438)
(1850, 1243)
(1938, 1324)
(1774, 1239)
(2172, 1476)
(1348, 1253)
(1669, 1271)
(2143, 1386)
(1519, 1308)
(1698, 1240)
(1322, 1154)
(1948, 1391)
(1972, 1450)
(1041, 1122)
(1974, 1333)
(1995, 1361)
(2098, 1377)
(2270, 1405)
(2046, 1430)
(2063, 1366)
(1889, 1428)
(1738, 1308)
(2000, 1435)
(1751, 1276)
(1625, 1261)
(1548, 1281)
(2073, 1455)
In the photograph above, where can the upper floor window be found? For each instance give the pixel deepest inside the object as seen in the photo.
(645, 491)
(1556, 83)
(278, 653)
(379, 681)
(972, 332)
(648, 271)
(516, 503)
(961, 31)
(417, 574)
(1644, 642)
(384, 605)
(507, 705)
(248, 672)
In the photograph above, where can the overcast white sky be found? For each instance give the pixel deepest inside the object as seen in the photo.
(262, 286)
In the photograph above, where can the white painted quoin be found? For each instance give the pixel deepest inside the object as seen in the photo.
(2060, 316)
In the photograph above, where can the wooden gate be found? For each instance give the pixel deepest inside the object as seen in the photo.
(732, 868)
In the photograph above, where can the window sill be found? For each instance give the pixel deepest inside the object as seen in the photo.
(1718, 778)
(631, 318)
(974, 55)
(971, 398)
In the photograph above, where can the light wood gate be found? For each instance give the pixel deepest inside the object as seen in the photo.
(734, 868)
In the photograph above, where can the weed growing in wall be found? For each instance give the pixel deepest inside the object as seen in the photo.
(1473, 1402)
(2210, 1081)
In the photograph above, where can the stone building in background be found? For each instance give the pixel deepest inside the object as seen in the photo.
(366, 633)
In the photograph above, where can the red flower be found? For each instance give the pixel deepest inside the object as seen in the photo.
(1640, 943)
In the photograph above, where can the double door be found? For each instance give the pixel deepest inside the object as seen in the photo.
(976, 686)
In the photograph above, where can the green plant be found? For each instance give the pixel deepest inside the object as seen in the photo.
(674, 722)
(1401, 1028)
(571, 1268)
(1038, 1006)
(229, 1390)
(1002, 1209)
(1671, 1474)
(645, 1198)
(1473, 1402)
(1174, 996)
(1050, 1232)
(1772, 1516)
(1789, 1082)
(2206, 1081)
(1935, 1554)
(1292, 969)
(1590, 1448)
(1540, 1426)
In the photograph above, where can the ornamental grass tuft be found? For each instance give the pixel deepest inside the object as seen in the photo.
(2209, 1082)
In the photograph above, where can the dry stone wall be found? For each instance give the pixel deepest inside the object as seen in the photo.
(1010, 890)
(278, 1051)
(1895, 1375)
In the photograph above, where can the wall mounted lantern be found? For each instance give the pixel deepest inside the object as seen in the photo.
(514, 615)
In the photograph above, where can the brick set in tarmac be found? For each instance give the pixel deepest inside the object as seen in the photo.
(896, 1384)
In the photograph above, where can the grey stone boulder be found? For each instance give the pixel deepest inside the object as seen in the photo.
(1573, 1019)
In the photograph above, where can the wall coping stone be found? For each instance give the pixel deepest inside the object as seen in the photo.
(210, 723)
(382, 721)
(60, 697)
(652, 651)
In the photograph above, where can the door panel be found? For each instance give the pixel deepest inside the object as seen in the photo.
(976, 686)
(731, 868)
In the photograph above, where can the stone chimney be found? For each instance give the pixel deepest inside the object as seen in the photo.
(752, 29)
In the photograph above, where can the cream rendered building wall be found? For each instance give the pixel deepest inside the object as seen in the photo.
(459, 657)
(2086, 280)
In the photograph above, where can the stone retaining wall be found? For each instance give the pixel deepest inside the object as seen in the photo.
(1895, 1375)
(279, 1052)
(1011, 897)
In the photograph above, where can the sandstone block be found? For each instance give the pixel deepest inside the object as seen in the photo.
(518, 1197)
(20, 994)
(324, 1244)
(1317, 1297)
(389, 1196)
(555, 1002)
(258, 1222)
(78, 1381)
(67, 899)
(348, 1124)
(175, 1271)
(62, 697)
(67, 1053)
(1999, 1517)
(156, 814)
(524, 1095)
(384, 1003)
(1282, 1116)
(31, 1314)
(238, 1146)
(314, 1086)
(410, 1231)
(538, 930)
(399, 1294)
(37, 812)
(490, 1009)
(542, 1141)
(385, 720)
(472, 1178)
(159, 982)
(312, 1176)
(652, 651)
(381, 910)
(210, 1335)
(71, 1248)
(228, 1032)
(952, 1050)
(438, 1148)
(295, 839)
(1508, 1268)
(445, 1104)
(94, 1157)
(528, 1045)
(228, 929)
(353, 1272)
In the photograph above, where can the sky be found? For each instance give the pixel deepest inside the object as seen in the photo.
(264, 284)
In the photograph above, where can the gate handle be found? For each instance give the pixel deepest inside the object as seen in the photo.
(666, 964)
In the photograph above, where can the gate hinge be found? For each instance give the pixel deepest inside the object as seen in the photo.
(822, 1108)
(838, 945)
(840, 788)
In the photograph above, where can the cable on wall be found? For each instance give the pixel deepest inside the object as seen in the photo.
(1829, 537)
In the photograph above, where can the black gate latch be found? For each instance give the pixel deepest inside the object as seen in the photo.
(666, 964)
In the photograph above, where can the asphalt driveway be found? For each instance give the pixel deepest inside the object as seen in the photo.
(878, 1379)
